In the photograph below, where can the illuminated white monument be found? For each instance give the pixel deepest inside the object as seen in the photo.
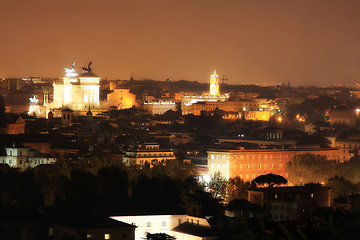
(35, 108)
(214, 84)
(77, 92)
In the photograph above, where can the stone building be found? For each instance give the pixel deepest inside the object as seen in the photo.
(149, 153)
(296, 203)
(23, 157)
(248, 164)
(78, 92)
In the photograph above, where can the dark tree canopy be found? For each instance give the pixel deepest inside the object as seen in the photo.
(159, 236)
(269, 180)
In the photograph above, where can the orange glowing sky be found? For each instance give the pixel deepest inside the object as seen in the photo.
(265, 42)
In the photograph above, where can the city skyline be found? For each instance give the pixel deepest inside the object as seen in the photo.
(257, 42)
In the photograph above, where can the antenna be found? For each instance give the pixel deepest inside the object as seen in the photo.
(223, 79)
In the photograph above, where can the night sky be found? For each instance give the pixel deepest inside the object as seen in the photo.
(265, 42)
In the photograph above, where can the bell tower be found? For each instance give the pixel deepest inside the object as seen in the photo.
(214, 84)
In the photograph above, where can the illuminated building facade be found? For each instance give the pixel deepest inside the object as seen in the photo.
(148, 153)
(16, 128)
(348, 147)
(121, 98)
(24, 157)
(257, 115)
(209, 100)
(296, 203)
(259, 109)
(159, 107)
(249, 164)
(343, 116)
(182, 227)
(77, 92)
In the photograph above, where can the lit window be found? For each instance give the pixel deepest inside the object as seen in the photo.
(107, 236)
(223, 166)
(51, 231)
(218, 165)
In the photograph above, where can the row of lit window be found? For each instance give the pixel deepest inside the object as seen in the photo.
(348, 146)
(153, 161)
(248, 166)
(36, 161)
(253, 156)
(260, 165)
(148, 224)
(155, 155)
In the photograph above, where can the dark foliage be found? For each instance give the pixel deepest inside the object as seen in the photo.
(269, 180)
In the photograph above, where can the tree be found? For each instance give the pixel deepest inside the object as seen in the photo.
(341, 186)
(269, 180)
(113, 185)
(237, 189)
(218, 186)
(243, 206)
(305, 168)
(159, 236)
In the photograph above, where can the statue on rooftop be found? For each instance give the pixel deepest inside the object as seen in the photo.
(88, 69)
(70, 72)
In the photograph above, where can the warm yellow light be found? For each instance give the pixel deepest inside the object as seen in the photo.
(214, 84)
(279, 119)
